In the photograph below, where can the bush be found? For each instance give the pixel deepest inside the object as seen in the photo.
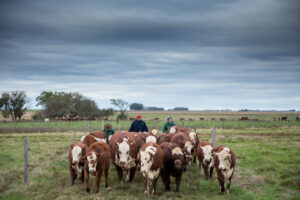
(38, 115)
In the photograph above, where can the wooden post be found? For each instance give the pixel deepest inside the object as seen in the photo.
(119, 124)
(214, 136)
(182, 123)
(74, 136)
(26, 148)
(102, 124)
(90, 127)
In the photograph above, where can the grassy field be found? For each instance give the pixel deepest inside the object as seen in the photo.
(268, 167)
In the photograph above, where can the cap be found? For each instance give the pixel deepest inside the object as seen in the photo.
(139, 116)
(169, 118)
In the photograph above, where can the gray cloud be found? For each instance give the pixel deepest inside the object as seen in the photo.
(199, 54)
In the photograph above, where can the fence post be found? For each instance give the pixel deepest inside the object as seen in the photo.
(182, 123)
(90, 127)
(102, 124)
(214, 135)
(119, 124)
(74, 136)
(26, 148)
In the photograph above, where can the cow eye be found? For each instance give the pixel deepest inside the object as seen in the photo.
(127, 152)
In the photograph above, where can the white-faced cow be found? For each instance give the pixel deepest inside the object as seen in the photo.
(205, 158)
(185, 143)
(97, 162)
(124, 151)
(151, 161)
(224, 161)
(77, 157)
(174, 164)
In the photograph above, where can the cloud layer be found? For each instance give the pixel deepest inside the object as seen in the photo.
(198, 54)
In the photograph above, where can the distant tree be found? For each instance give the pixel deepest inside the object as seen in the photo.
(122, 106)
(180, 108)
(14, 104)
(136, 106)
(154, 108)
(107, 112)
(44, 97)
(59, 106)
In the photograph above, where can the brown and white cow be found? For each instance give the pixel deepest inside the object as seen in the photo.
(164, 138)
(151, 161)
(224, 161)
(124, 151)
(77, 157)
(99, 134)
(98, 160)
(185, 143)
(174, 164)
(205, 158)
(172, 130)
(90, 139)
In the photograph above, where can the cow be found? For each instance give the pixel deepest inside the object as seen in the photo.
(172, 129)
(224, 161)
(97, 162)
(90, 139)
(205, 158)
(185, 143)
(124, 150)
(164, 138)
(174, 164)
(77, 157)
(151, 161)
(99, 134)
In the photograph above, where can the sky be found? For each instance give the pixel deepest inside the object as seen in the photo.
(229, 54)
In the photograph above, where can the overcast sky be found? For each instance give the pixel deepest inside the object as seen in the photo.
(199, 54)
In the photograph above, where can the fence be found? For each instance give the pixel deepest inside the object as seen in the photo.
(90, 126)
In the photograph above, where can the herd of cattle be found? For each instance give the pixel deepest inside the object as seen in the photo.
(153, 154)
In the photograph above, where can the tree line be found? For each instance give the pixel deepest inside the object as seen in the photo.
(62, 105)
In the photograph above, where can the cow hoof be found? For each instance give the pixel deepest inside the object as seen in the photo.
(108, 189)
(88, 190)
(146, 192)
(121, 182)
(153, 192)
(228, 191)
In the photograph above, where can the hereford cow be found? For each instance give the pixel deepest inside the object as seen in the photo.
(90, 139)
(185, 143)
(224, 161)
(174, 164)
(151, 161)
(172, 129)
(98, 160)
(99, 134)
(164, 138)
(77, 157)
(193, 137)
(124, 150)
(205, 158)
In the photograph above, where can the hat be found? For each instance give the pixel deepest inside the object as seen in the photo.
(107, 127)
(139, 116)
(169, 118)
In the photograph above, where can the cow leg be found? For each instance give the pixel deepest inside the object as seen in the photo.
(146, 192)
(154, 185)
(82, 176)
(120, 173)
(178, 180)
(221, 183)
(132, 173)
(86, 177)
(166, 179)
(195, 159)
(97, 180)
(73, 175)
(106, 178)
(206, 171)
(211, 171)
(228, 185)
(128, 175)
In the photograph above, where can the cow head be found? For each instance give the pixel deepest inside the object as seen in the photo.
(154, 131)
(151, 138)
(173, 130)
(192, 136)
(92, 162)
(146, 158)
(224, 158)
(207, 153)
(178, 158)
(123, 151)
(188, 150)
(77, 153)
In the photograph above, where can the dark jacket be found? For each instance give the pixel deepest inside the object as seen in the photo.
(138, 126)
(108, 133)
(167, 125)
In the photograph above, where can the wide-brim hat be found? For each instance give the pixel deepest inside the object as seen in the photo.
(107, 127)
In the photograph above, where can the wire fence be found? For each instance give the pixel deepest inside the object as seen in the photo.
(90, 126)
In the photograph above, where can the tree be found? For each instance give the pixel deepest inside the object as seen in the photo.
(180, 108)
(136, 106)
(59, 106)
(154, 108)
(44, 97)
(122, 106)
(14, 104)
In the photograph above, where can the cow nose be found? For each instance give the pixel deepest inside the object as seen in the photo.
(122, 163)
(74, 162)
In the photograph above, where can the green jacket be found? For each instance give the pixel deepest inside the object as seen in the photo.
(108, 133)
(167, 125)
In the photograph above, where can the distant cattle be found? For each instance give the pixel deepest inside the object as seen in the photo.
(46, 119)
(151, 162)
(205, 158)
(156, 118)
(224, 161)
(77, 157)
(182, 119)
(201, 119)
(131, 118)
(244, 119)
(284, 118)
(174, 164)
(124, 151)
(222, 119)
(97, 162)
(213, 119)
(185, 143)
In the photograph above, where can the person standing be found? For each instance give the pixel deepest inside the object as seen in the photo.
(168, 124)
(138, 125)
(109, 131)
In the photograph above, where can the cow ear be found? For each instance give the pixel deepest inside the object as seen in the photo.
(139, 156)
(72, 145)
